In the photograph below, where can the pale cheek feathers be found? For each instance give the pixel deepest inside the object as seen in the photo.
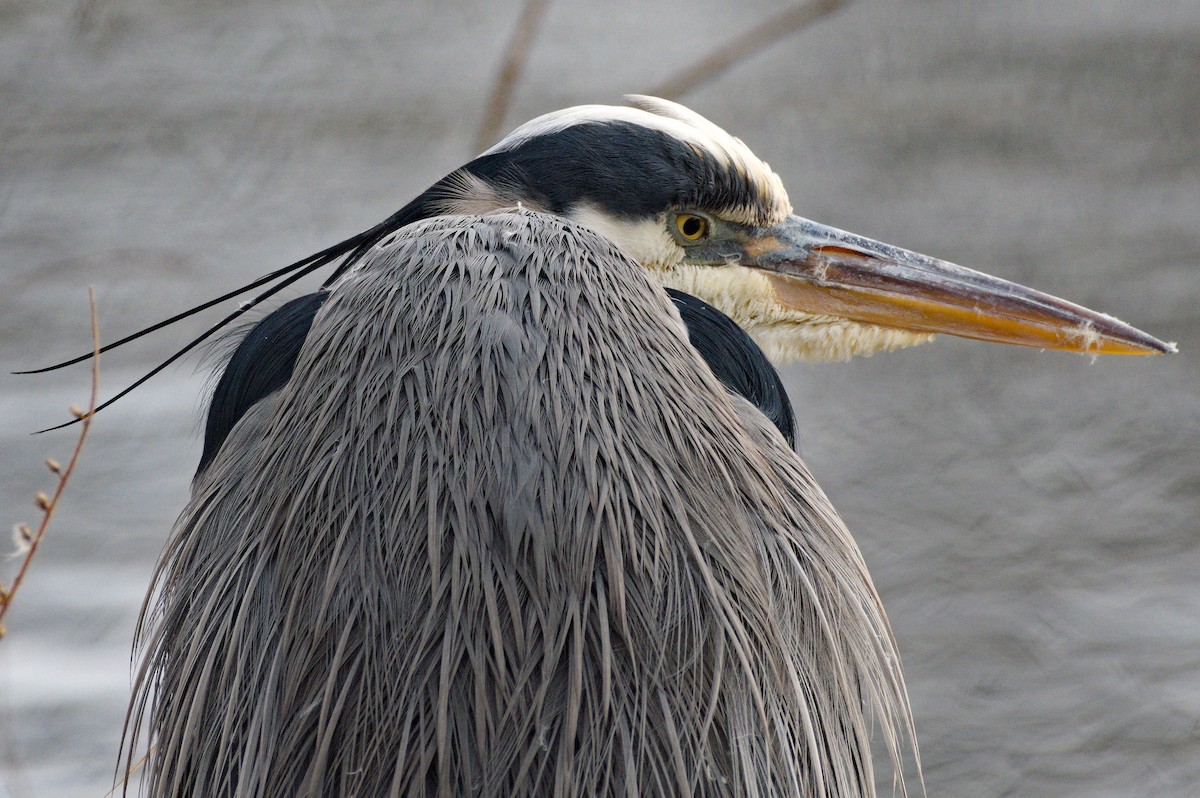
(645, 240)
(784, 334)
(828, 338)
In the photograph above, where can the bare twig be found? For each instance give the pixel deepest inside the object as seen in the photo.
(27, 539)
(121, 783)
(510, 72)
(752, 41)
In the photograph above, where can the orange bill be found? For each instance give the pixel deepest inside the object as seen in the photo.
(820, 269)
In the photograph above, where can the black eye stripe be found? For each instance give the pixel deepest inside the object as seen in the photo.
(629, 170)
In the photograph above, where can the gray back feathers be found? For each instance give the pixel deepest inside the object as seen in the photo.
(503, 533)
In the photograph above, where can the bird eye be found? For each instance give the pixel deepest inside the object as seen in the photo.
(691, 226)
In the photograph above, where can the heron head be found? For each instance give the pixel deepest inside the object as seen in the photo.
(704, 215)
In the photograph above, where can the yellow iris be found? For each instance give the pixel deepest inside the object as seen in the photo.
(691, 226)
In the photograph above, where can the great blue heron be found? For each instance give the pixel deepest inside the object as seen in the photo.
(477, 518)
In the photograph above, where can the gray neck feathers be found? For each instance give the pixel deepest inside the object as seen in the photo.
(503, 533)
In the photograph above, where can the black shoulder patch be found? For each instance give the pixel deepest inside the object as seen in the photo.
(736, 361)
(261, 365)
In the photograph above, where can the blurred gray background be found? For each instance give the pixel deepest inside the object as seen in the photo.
(1030, 517)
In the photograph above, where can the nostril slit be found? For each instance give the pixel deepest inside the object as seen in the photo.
(834, 250)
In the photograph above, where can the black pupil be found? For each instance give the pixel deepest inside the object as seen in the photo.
(692, 226)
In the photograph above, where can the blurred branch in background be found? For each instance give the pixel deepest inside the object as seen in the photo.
(26, 539)
(511, 67)
(749, 43)
(752, 41)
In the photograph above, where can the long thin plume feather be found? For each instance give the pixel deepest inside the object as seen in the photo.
(350, 251)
